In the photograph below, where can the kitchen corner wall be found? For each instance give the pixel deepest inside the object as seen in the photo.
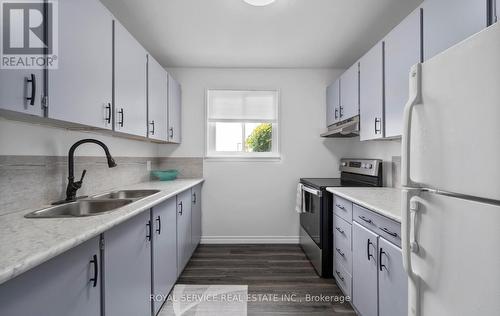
(253, 201)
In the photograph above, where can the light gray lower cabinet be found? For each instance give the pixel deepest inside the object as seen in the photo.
(127, 267)
(184, 243)
(195, 217)
(364, 270)
(392, 280)
(164, 252)
(62, 286)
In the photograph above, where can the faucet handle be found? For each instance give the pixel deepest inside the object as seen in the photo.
(83, 175)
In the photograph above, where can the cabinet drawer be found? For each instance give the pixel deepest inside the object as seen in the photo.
(342, 243)
(385, 227)
(343, 278)
(342, 208)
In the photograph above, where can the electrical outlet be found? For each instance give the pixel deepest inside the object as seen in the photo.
(148, 165)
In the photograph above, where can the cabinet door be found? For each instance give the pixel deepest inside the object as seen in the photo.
(127, 267)
(195, 217)
(183, 230)
(392, 280)
(448, 22)
(16, 85)
(371, 96)
(364, 270)
(63, 285)
(402, 50)
(157, 100)
(130, 83)
(174, 110)
(80, 90)
(332, 103)
(164, 250)
(349, 93)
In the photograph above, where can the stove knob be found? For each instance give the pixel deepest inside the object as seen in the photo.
(369, 166)
(344, 164)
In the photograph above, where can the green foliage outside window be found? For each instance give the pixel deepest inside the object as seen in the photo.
(261, 138)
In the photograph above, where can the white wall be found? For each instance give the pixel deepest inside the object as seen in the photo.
(19, 138)
(254, 201)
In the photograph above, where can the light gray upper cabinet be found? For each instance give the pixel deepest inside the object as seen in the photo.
(174, 110)
(364, 270)
(157, 100)
(349, 93)
(448, 22)
(127, 267)
(130, 84)
(392, 280)
(21, 90)
(68, 285)
(371, 96)
(402, 50)
(80, 90)
(195, 216)
(164, 250)
(332, 103)
(184, 243)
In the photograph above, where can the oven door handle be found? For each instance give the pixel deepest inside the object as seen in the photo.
(312, 191)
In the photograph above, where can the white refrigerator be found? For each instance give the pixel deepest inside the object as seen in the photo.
(451, 181)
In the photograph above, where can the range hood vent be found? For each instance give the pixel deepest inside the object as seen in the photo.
(347, 128)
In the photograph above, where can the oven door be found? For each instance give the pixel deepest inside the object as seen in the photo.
(310, 220)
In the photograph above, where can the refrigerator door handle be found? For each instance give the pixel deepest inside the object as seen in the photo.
(409, 207)
(414, 99)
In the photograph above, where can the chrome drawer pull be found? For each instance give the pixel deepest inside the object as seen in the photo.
(340, 230)
(340, 252)
(385, 230)
(339, 275)
(369, 221)
(340, 207)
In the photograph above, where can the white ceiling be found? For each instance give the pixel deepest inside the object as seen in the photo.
(287, 33)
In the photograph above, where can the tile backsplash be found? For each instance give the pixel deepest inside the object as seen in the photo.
(33, 181)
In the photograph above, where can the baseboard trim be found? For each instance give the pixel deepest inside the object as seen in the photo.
(249, 240)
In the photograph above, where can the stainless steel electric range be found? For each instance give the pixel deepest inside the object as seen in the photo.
(316, 232)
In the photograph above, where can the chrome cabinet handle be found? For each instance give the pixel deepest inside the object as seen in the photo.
(380, 264)
(158, 230)
(148, 233)
(368, 254)
(385, 230)
(340, 252)
(171, 132)
(379, 122)
(341, 112)
(369, 221)
(340, 230)
(336, 113)
(340, 207)
(194, 198)
(180, 204)
(339, 275)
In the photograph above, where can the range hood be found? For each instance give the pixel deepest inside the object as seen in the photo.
(347, 128)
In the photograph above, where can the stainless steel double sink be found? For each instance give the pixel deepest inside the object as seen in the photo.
(96, 205)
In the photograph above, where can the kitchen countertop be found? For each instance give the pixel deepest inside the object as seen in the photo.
(26, 243)
(385, 201)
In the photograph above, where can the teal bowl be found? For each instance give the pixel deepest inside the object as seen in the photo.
(165, 175)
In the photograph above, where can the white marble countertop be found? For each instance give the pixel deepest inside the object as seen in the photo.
(385, 201)
(26, 243)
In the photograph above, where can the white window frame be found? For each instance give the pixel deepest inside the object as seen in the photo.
(273, 155)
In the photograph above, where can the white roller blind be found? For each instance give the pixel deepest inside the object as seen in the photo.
(244, 106)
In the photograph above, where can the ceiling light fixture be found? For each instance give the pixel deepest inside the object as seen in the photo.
(259, 3)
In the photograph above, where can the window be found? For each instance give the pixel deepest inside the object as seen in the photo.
(242, 123)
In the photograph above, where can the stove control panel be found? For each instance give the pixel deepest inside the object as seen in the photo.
(369, 167)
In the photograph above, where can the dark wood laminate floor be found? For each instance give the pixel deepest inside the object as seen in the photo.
(266, 269)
